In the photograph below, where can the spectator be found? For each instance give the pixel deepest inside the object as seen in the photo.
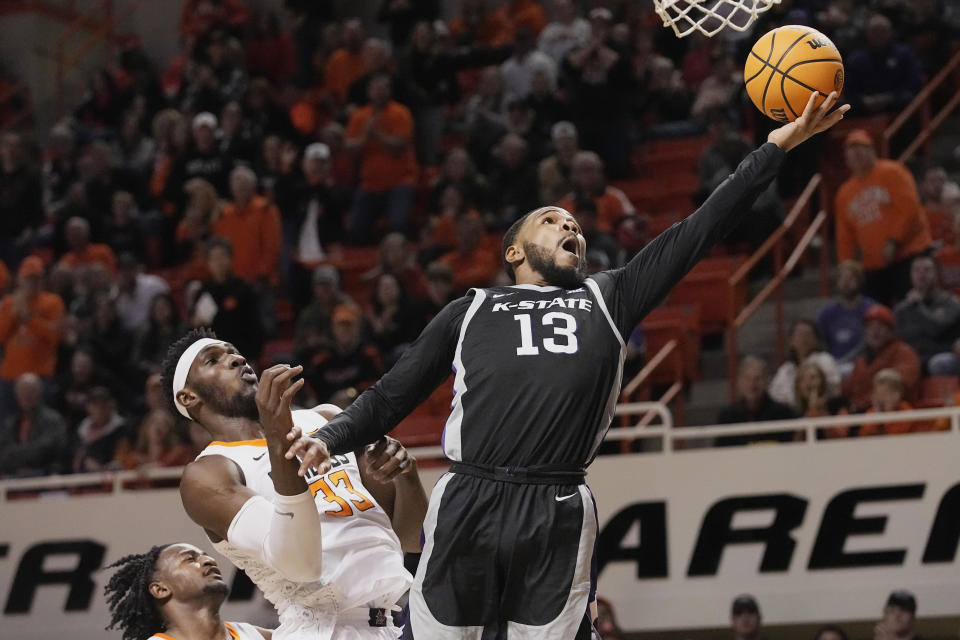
(459, 171)
(511, 180)
(941, 202)
(476, 25)
(99, 434)
(564, 33)
(203, 159)
(883, 76)
(102, 104)
(745, 618)
(136, 291)
(805, 346)
(899, 618)
(313, 327)
(663, 106)
(381, 133)
(882, 349)
(720, 89)
(517, 71)
(236, 140)
(132, 149)
(269, 49)
(262, 113)
(397, 258)
(202, 210)
(814, 398)
(888, 396)
(253, 227)
(346, 64)
(472, 262)
(841, 322)
(547, 104)
(21, 201)
(348, 362)
(403, 16)
(59, 167)
(315, 219)
(440, 292)
(159, 444)
(599, 83)
(553, 174)
(343, 168)
(606, 621)
(102, 181)
(390, 318)
(198, 17)
(161, 328)
(439, 234)
(830, 632)
(878, 215)
(227, 303)
(928, 319)
(587, 177)
(74, 387)
(377, 61)
(29, 329)
(523, 14)
(753, 404)
(33, 435)
(112, 343)
(123, 231)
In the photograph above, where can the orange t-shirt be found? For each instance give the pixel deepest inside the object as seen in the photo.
(612, 206)
(492, 31)
(883, 205)
(380, 167)
(256, 235)
(341, 70)
(30, 347)
(92, 253)
(898, 355)
(475, 269)
(523, 13)
(895, 428)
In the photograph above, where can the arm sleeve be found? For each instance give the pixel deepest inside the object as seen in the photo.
(907, 222)
(633, 290)
(421, 369)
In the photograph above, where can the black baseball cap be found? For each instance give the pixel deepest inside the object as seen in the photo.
(903, 599)
(744, 603)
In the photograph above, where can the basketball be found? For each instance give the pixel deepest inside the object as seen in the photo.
(786, 65)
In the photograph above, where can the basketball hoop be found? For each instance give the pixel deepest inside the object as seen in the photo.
(709, 17)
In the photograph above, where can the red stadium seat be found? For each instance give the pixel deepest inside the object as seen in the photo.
(681, 322)
(937, 391)
(707, 285)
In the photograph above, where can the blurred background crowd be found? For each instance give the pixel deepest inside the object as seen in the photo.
(316, 187)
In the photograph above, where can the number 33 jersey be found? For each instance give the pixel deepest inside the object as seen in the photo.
(537, 374)
(362, 558)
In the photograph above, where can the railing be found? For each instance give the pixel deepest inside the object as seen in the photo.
(674, 392)
(736, 317)
(672, 438)
(929, 123)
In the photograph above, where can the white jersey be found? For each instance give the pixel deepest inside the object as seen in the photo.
(235, 631)
(362, 559)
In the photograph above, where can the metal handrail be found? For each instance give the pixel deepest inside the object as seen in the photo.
(737, 317)
(921, 100)
(648, 369)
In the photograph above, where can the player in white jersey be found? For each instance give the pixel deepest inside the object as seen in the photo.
(172, 592)
(326, 550)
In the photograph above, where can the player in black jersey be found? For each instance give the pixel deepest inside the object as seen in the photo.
(510, 531)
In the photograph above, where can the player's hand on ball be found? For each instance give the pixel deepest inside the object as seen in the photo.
(274, 395)
(312, 452)
(812, 121)
(387, 459)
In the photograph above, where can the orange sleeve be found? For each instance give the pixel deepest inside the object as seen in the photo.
(846, 246)
(45, 324)
(356, 123)
(106, 254)
(272, 240)
(400, 123)
(906, 201)
(7, 322)
(908, 364)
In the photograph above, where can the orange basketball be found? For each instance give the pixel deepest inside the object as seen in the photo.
(786, 65)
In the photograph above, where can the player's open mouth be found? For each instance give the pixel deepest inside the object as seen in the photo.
(570, 245)
(248, 375)
(212, 571)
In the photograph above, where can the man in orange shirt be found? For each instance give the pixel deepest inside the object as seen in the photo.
(81, 251)
(345, 64)
(586, 175)
(29, 330)
(473, 263)
(523, 13)
(879, 216)
(882, 350)
(381, 133)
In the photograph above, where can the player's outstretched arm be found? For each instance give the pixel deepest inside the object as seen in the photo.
(390, 473)
(635, 289)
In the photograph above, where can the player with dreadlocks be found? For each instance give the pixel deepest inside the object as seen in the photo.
(172, 592)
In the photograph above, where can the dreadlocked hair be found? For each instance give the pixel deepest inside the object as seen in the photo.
(169, 366)
(132, 608)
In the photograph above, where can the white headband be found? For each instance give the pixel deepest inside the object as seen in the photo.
(183, 368)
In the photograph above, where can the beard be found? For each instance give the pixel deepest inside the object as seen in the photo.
(217, 589)
(544, 263)
(240, 405)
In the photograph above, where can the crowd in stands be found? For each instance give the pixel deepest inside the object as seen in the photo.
(316, 188)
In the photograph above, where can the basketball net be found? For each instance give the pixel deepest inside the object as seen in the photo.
(709, 17)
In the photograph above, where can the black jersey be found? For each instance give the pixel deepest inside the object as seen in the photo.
(538, 369)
